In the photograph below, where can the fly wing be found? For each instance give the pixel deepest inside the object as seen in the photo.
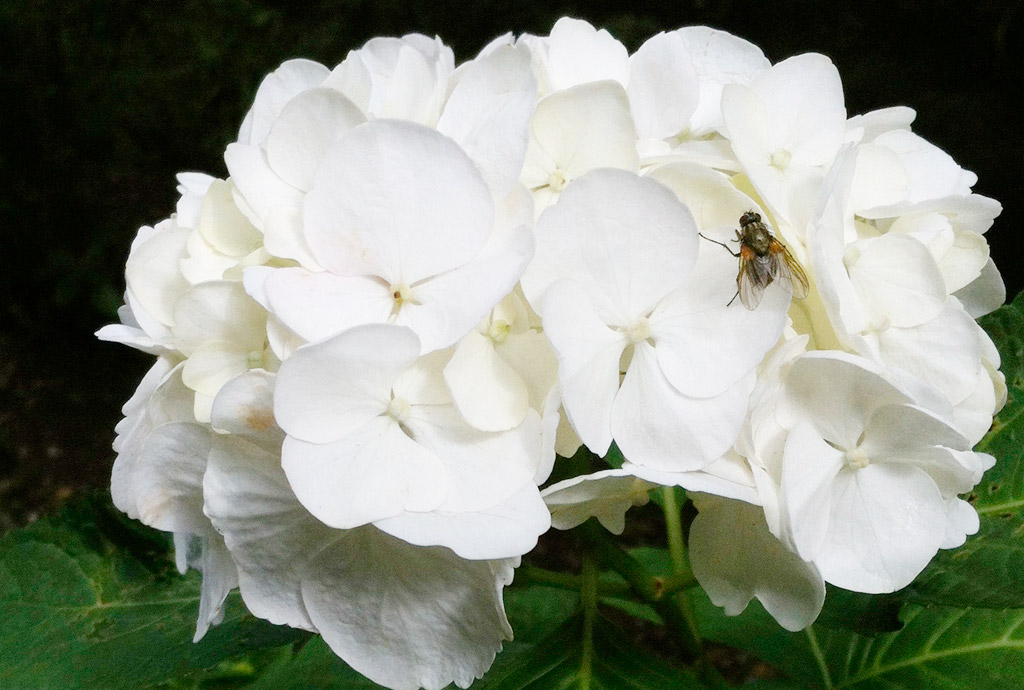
(788, 271)
(754, 276)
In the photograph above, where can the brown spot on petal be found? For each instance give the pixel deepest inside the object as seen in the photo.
(259, 420)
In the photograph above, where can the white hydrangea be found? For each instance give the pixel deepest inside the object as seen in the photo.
(423, 280)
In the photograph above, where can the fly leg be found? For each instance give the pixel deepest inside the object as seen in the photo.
(721, 244)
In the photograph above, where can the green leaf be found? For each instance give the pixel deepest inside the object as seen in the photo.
(1002, 490)
(867, 614)
(80, 611)
(938, 647)
(534, 612)
(312, 667)
(988, 571)
(556, 662)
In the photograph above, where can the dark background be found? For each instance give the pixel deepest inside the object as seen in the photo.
(102, 102)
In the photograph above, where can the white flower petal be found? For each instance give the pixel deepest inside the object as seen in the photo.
(961, 522)
(880, 178)
(372, 210)
(984, 295)
(371, 473)
(485, 468)
(578, 53)
(735, 558)
(867, 127)
(626, 239)
(318, 305)
(827, 234)
(839, 409)
(133, 337)
(606, 495)
(973, 415)
(407, 616)
(244, 408)
(719, 58)
(897, 277)
(152, 273)
(219, 311)
(451, 304)
(276, 89)
(954, 472)
(305, 130)
(892, 429)
(488, 392)
(931, 171)
(530, 355)
(729, 477)
(488, 114)
(663, 88)
(656, 426)
(211, 365)
(270, 535)
(168, 481)
(804, 97)
(283, 237)
(507, 529)
(944, 351)
(809, 469)
(220, 576)
(689, 330)
(588, 362)
(886, 522)
(551, 427)
(963, 263)
(423, 382)
(407, 83)
(161, 398)
(224, 226)
(577, 130)
(258, 189)
(332, 388)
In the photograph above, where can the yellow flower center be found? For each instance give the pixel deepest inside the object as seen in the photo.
(781, 158)
(399, 409)
(857, 459)
(557, 180)
(639, 330)
(499, 330)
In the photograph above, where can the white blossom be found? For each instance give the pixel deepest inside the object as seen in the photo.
(348, 585)
(422, 282)
(374, 438)
(399, 246)
(867, 474)
(612, 279)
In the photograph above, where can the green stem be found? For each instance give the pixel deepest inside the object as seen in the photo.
(588, 598)
(677, 582)
(677, 550)
(674, 527)
(610, 554)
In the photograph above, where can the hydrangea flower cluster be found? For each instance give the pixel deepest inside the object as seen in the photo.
(422, 282)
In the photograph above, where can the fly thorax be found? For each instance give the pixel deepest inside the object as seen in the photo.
(760, 240)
